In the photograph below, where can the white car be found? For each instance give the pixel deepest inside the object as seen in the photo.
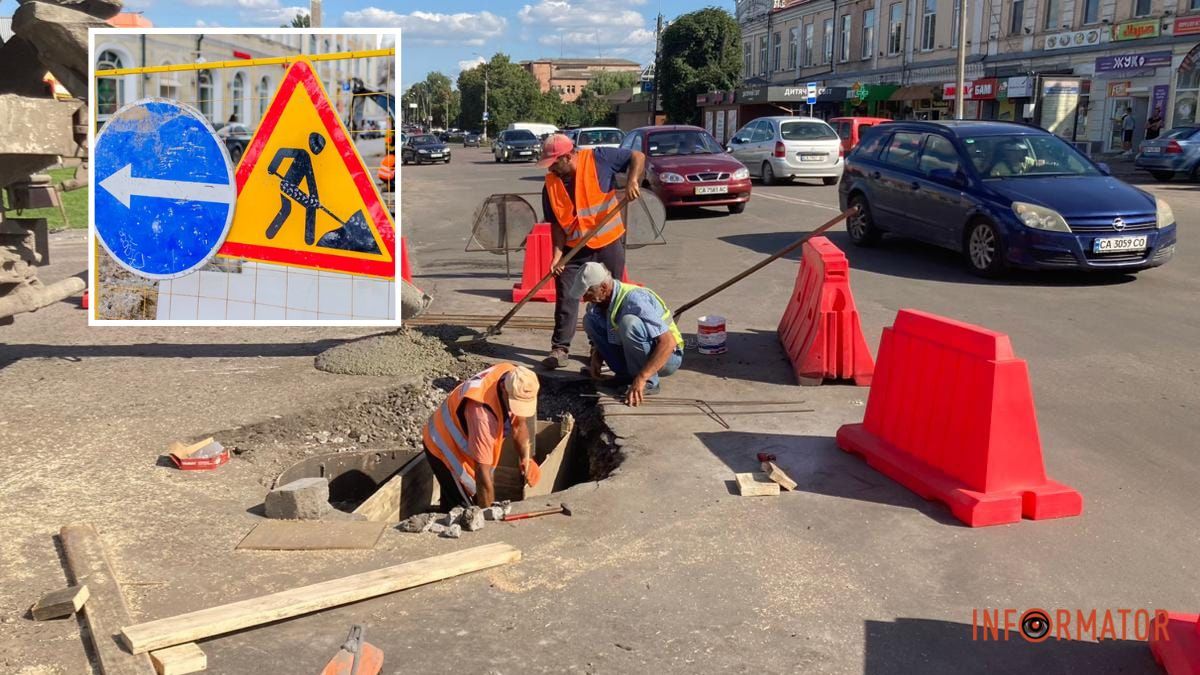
(597, 137)
(783, 148)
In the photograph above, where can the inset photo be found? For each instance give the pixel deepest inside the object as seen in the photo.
(240, 176)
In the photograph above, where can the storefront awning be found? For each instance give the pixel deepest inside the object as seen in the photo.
(913, 92)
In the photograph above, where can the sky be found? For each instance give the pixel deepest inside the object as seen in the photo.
(448, 35)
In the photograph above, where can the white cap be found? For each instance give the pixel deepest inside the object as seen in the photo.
(590, 275)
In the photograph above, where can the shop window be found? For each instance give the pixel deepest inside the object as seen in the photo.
(1187, 92)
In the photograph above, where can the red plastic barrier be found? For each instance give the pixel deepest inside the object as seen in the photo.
(950, 416)
(405, 264)
(539, 251)
(1179, 652)
(820, 330)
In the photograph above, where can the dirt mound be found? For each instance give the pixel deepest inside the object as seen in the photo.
(405, 353)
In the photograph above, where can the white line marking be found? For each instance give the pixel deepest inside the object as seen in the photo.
(795, 200)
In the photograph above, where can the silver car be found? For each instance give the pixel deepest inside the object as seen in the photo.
(1175, 153)
(775, 148)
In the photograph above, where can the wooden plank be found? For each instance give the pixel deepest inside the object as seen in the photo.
(407, 492)
(60, 603)
(311, 535)
(105, 611)
(222, 619)
(778, 475)
(756, 484)
(180, 659)
(384, 505)
(552, 464)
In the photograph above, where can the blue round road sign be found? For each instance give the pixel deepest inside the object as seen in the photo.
(165, 188)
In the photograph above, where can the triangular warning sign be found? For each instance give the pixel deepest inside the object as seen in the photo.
(305, 198)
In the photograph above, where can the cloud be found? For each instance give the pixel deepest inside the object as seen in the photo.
(597, 25)
(463, 28)
(471, 63)
(253, 12)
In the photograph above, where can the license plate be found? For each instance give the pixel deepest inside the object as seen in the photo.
(813, 158)
(435, 154)
(712, 189)
(1115, 244)
(524, 152)
(1152, 150)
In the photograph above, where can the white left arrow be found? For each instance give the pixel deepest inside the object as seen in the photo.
(122, 184)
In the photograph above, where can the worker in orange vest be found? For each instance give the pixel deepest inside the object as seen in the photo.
(464, 436)
(580, 190)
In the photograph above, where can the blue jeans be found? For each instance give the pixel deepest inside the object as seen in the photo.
(628, 358)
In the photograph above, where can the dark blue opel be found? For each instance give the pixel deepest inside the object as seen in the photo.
(1006, 195)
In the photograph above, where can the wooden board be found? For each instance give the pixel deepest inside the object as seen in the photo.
(756, 484)
(409, 491)
(550, 452)
(60, 603)
(234, 616)
(105, 611)
(311, 535)
(179, 660)
(778, 475)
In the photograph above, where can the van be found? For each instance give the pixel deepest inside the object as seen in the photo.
(537, 128)
(851, 129)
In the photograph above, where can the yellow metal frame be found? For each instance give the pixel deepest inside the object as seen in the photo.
(247, 63)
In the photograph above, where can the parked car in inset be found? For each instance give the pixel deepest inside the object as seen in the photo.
(1175, 153)
(236, 137)
(597, 137)
(1005, 195)
(688, 167)
(851, 129)
(423, 148)
(784, 148)
(516, 144)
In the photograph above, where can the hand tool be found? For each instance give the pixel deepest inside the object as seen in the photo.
(561, 508)
(356, 657)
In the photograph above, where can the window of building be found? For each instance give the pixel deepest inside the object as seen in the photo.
(957, 15)
(793, 47)
(762, 55)
(1091, 11)
(168, 86)
(845, 47)
(1195, 4)
(239, 91)
(204, 93)
(110, 96)
(827, 41)
(1053, 15)
(868, 33)
(808, 43)
(264, 95)
(1141, 8)
(1016, 20)
(776, 51)
(929, 25)
(895, 28)
(747, 55)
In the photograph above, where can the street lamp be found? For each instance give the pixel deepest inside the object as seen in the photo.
(485, 94)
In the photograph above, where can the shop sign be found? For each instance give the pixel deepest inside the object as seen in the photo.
(1119, 89)
(1135, 30)
(792, 94)
(1186, 25)
(1105, 64)
(1069, 39)
(977, 90)
(859, 92)
(752, 95)
(1020, 87)
(1158, 99)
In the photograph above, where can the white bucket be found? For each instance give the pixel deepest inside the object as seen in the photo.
(710, 334)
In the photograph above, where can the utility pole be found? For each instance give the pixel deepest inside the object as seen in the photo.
(654, 87)
(484, 65)
(960, 77)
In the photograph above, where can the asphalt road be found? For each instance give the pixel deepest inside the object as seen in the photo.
(877, 579)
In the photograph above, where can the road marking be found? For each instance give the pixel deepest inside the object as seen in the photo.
(122, 185)
(795, 200)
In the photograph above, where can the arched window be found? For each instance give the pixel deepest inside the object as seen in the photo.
(110, 94)
(168, 85)
(264, 95)
(238, 94)
(1187, 91)
(204, 93)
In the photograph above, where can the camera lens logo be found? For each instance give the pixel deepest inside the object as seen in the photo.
(1035, 625)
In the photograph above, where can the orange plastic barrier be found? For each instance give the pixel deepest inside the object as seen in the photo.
(539, 251)
(820, 330)
(405, 265)
(950, 416)
(1179, 652)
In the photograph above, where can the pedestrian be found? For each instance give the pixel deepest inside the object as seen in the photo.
(630, 330)
(464, 436)
(580, 190)
(1154, 125)
(1127, 125)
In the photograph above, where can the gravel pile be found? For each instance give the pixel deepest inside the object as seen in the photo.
(403, 353)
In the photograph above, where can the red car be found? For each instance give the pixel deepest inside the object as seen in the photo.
(851, 129)
(688, 167)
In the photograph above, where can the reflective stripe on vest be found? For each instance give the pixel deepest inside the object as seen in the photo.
(446, 436)
(589, 207)
(624, 290)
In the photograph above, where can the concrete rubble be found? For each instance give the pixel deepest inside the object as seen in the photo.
(61, 37)
(421, 522)
(472, 519)
(302, 499)
(453, 532)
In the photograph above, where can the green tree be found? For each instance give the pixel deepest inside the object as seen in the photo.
(436, 100)
(699, 53)
(513, 96)
(299, 21)
(593, 107)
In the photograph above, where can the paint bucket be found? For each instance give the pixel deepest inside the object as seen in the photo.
(710, 334)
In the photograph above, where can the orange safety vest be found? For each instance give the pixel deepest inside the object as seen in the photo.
(590, 206)
(387, 170)
(446, 431)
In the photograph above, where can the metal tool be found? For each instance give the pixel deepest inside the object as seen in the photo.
(562, 508)
(356, 657)
(774, 256)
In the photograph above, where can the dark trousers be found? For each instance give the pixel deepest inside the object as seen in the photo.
(451, 497)
(566, 310)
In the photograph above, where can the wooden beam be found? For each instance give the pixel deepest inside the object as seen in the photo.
(756, 484)
(105, 611)
(778, 475)
(234, 616)
(408, 491)
(60, 603)
(180, 659)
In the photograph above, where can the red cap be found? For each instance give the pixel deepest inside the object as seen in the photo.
(555, 146)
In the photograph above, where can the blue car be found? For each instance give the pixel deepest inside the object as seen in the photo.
(1005, 195)
(1175, 153)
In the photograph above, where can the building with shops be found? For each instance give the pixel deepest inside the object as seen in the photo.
(1070, 66)
(569, 76)
(229, 94)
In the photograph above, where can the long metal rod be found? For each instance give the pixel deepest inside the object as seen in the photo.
(246, 63)
(775, 256)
